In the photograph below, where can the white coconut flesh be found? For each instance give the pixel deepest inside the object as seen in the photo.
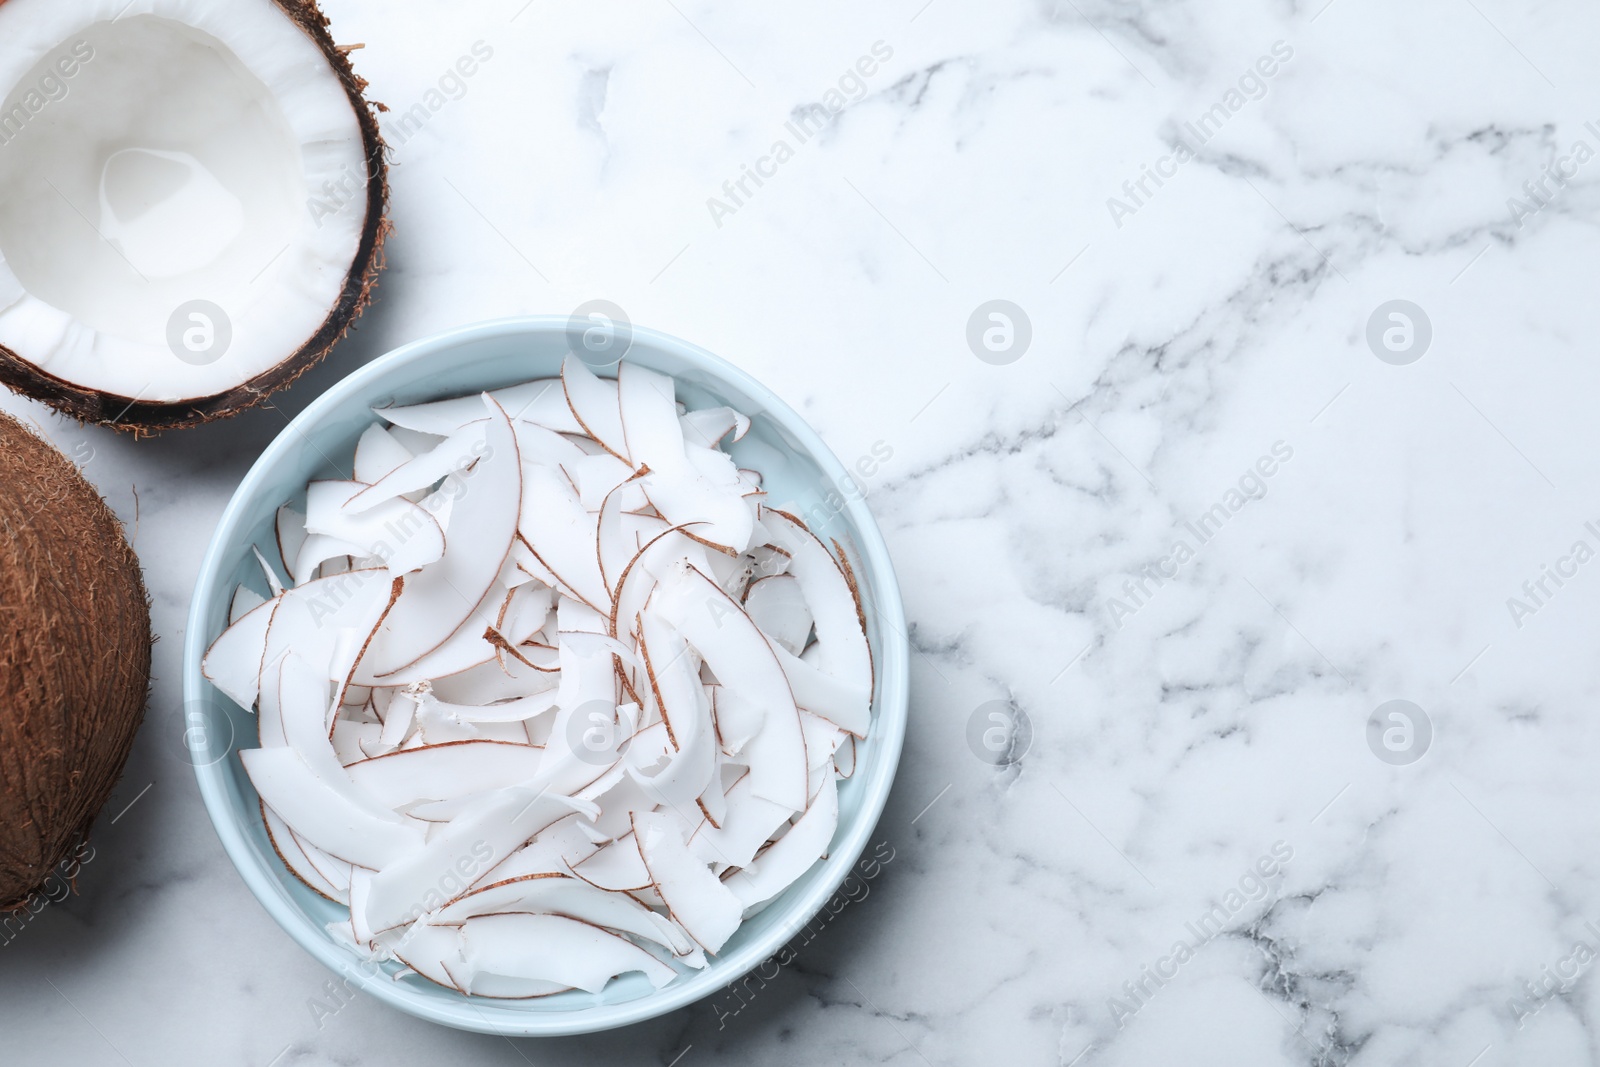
(546, 693)
(162, 152)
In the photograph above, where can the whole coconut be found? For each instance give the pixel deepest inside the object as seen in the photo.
(74, 657)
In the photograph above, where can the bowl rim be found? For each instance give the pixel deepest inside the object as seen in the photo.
(466, 1013)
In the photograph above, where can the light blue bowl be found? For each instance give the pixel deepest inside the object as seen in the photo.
(798, 468)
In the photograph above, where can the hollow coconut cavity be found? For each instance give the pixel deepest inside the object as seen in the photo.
(191, 204)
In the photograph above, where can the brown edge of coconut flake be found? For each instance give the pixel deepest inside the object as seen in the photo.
(142, 418)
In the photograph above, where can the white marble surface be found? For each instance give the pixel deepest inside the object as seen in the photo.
(1174, 747)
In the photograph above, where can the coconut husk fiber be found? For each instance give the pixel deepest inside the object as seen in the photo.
(74, 657)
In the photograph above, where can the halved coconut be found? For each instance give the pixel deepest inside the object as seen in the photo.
(191, 204)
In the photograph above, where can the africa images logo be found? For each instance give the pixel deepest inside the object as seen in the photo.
(50, 88)
(806, 122)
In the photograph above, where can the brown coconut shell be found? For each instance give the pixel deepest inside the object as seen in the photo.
(142, 417)
(74, 658)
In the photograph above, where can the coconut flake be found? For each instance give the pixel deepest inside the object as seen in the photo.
(750, 823)
(541, 402)
(561, 536)
(842, 649)
(406, 536)
(442, 597)
(794, 853)
(701, 904)
(273, 581)
(378, 454)
(458, 854)
(554, 894)
(327, 817)
(593, 401)
(710, 426)
(234, 661)
(673, 671)
(778, 608)
(617, 867)
(551, 948)
(682, 488)
(245, 600)
(295, 858)
(289, 531)
(444, 771)
(744, 663)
